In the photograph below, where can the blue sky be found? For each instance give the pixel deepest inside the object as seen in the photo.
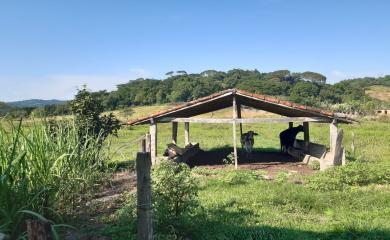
(49, 48)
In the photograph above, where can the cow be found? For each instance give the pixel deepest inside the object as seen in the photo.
(287, 137)
(247, 141)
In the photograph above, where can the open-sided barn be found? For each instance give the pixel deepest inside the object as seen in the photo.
(290, 112)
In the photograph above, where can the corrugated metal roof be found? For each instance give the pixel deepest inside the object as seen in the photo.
(224, 99)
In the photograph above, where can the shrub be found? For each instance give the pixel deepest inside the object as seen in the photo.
(353, 174)
(175, 192)
(88, 109)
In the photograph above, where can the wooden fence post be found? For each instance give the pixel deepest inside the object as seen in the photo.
(306, 136)
(234, 133)
(142, 145)
(174, 132)
(148, 142)
(144, 197)
(38, 230)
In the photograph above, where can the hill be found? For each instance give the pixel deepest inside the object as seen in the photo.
(34, 103)
(379, 92)
(307, 88)
(4, 108)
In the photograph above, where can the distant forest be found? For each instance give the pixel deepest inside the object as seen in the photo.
(309, 88)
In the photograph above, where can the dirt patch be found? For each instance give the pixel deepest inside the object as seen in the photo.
(104, 203)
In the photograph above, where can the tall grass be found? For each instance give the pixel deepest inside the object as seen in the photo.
(47, 169)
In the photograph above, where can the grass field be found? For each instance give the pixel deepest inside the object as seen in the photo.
(351, 202)
(242, 205)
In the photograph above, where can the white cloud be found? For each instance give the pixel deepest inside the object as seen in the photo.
(62, 86)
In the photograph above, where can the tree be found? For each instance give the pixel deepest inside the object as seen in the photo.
(181, 72)
(88, 109)
(313, 77)
(208, 73)
(305, 93)
(170, 73)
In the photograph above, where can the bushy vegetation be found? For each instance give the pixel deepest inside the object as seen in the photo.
(174, 194)
(45, 171)
(88, 109)
(353, 174)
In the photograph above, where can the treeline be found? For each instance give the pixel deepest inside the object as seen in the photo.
(307, 88)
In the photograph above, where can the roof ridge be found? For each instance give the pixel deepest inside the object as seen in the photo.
(260, 97)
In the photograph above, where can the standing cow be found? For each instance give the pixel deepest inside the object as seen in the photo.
(247, 141)
(287, 137)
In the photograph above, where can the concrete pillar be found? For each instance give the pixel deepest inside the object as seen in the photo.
(186, 133)
(332, 135)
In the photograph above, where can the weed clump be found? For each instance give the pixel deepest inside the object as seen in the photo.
(315, 165)
(234, 177)
(353, 174)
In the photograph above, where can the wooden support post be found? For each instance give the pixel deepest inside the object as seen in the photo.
(144, 197)
(38, 230)
(174, 132)
(153, 141)
(239, 116)
(290, 125)
(142, 145)
(234, 133)
(147, 139)
(186, 133)
(306, 136)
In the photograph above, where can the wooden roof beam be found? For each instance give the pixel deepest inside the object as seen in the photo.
(247, 120)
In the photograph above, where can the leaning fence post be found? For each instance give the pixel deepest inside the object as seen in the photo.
(144, 197)
(142, 145)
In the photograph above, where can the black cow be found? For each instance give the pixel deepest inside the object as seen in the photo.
(287, 137)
